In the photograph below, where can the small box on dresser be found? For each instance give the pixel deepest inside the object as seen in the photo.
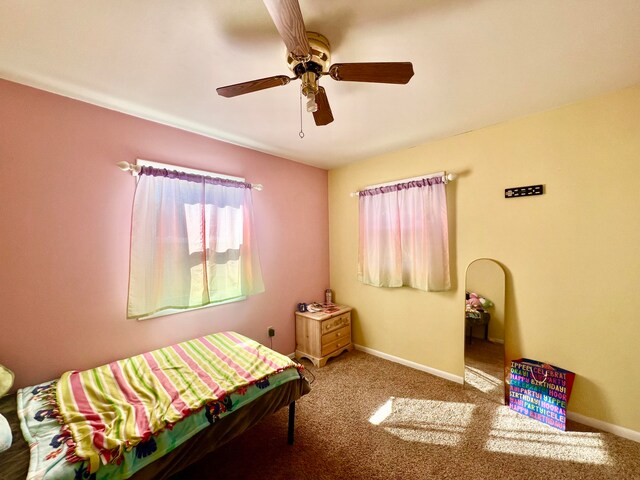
(320, 336)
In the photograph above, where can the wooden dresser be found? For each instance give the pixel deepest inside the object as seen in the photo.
(320, 336)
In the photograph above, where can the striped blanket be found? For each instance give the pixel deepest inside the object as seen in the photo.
(112, 408)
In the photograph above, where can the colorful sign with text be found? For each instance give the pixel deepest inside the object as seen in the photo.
(540, 391)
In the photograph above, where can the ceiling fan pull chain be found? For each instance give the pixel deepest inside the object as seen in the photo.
(301, 132)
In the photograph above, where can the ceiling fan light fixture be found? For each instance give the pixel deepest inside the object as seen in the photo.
(312, 106)
(309, 90)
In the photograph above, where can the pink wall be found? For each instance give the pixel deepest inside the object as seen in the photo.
(65, 217)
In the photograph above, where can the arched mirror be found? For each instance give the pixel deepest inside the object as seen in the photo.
(484, 329)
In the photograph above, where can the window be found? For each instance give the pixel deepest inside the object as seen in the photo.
(404, 235)
(192, 241)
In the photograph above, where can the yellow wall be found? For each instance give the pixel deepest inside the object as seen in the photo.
(571, 256)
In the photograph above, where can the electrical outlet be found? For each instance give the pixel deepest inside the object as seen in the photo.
(272, 332)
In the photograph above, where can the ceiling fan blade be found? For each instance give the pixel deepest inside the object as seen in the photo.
(288, 19)
(384, 72)
(323, 115)
(252, 86)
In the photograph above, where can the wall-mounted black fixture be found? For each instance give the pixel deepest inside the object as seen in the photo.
(523, 191)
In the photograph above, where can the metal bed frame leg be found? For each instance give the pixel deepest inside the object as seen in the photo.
(292, 421)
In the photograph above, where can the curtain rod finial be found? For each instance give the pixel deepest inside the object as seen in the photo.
(450, 177)
(124, 166)
(127, 167)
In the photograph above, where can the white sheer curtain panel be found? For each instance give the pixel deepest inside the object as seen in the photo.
(404, 236)
(192, 242)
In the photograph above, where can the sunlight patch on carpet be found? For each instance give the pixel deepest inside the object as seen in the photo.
(424, 421)
(516, 434)
(382, 413)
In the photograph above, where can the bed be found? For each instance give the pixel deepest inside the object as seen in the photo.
(52, 450)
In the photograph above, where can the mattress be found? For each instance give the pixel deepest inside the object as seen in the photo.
(42, 432)
(51, 451)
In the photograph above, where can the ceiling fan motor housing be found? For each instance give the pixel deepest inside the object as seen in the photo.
(319, 60)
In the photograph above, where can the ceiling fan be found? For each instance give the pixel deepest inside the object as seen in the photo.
(309, 57)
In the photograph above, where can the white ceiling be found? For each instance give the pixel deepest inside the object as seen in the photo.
(476, 62)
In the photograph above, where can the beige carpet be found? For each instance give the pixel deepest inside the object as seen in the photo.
(367, 418)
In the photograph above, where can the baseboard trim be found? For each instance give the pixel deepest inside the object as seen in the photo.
(605, 427)
(408, 363)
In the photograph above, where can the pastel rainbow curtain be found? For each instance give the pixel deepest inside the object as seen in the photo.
(192, 242)
(404, 237)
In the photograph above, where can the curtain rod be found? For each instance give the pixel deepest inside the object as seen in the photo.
(135, 171)
(446, 178)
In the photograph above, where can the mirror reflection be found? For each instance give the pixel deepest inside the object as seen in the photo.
(484, 329)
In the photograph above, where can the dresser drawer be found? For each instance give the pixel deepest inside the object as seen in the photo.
(340, 334)
(335, 323)
(335, 345)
